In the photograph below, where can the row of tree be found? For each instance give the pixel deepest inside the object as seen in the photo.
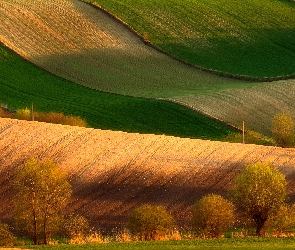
(43, 190)
(258, 194)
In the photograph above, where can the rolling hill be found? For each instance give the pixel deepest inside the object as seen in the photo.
(113, 172)
(22, 84)
(85, 45)
(252, 38)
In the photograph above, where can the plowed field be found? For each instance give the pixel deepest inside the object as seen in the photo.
(113, 172)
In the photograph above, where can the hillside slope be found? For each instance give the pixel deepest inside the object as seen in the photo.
(250, 37)
(113, 172)
(78, 42)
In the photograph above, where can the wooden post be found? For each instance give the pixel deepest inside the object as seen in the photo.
(33, 118)
(243, 129)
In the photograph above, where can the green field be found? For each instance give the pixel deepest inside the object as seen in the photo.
(253, 38)
(226, 244)
(22, 84)
(100, 53)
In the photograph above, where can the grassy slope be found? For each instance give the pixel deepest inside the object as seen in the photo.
(100, 53)
(21, 84)
(251, 37)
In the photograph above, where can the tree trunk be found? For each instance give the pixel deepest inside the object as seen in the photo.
(260, 226)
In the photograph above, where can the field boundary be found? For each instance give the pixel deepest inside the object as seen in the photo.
(211, 71)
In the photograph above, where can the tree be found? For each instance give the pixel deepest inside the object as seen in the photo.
(259, 191)
(283, 130)
(150, 222)
(212, 215)
(42, 191)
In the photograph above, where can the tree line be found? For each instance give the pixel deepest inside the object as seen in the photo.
(42, 191)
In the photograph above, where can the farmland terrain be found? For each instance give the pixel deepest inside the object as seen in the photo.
(22, 84)
(114, 172)
(251, 38)
(81, 43)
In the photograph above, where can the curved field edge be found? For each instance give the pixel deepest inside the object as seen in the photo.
(22, 84)
(126, 72)
(252, 38)
(84, 45)
(113, 172)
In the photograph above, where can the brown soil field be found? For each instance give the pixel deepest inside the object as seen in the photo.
(113, 172)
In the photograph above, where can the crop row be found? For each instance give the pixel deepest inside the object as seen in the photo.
(82, 44)
(67, 38)
(241, 38)
(255, 105)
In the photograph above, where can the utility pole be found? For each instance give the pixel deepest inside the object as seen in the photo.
(243, 130)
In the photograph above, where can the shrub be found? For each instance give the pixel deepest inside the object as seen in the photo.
(6, 237)
(23, 114)
(212, 215)
(282, 221)
(251, 137)
(149, 222)
(60, 118)
(76, 226)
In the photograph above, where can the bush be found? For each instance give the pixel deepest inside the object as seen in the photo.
(251, 137)
(282, 221)
(60, 118)
(6, 237)
(149, 222)
(76, 226)
(23, 114)
(212, 215)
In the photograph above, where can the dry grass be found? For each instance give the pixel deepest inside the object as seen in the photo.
(114, 172)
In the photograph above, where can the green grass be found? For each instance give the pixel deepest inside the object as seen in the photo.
(252, 37)
(22, 84)
(251, 243)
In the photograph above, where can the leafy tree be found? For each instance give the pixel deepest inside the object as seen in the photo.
(283, 130)
(42, 191)
(212, 215)
(150, 222)
(259, 191)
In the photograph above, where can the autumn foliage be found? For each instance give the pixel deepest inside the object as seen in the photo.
(149, 222)
(42, 192)
(212, 215)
